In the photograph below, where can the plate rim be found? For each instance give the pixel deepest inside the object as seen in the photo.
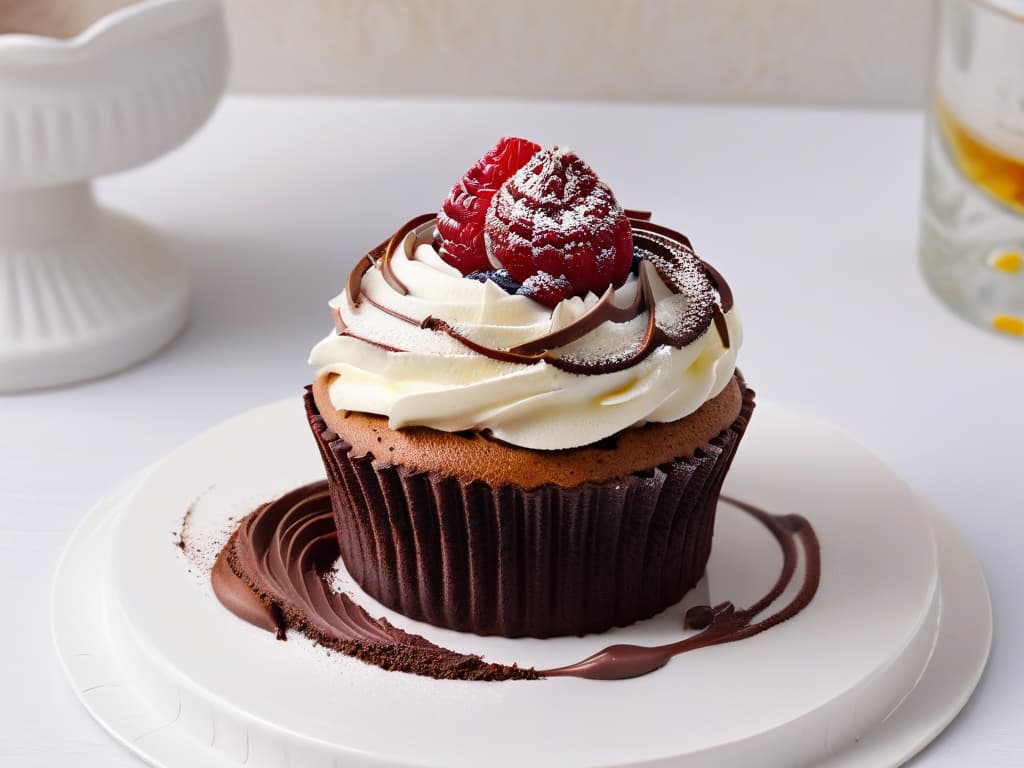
(92, 532)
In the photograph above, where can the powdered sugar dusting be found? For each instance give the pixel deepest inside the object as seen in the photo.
(612, 343)
(682, 297)
(481, 357)
(556, 216)
(680, 269)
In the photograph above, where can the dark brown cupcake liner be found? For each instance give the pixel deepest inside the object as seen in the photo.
(509, 561)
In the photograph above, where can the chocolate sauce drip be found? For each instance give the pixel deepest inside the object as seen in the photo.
(273, 573)
(669, 251)
(726, 624)
(699, 617)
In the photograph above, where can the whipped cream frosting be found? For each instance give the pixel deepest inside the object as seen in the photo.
(393, 360)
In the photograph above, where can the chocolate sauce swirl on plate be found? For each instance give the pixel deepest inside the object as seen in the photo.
(274, 573)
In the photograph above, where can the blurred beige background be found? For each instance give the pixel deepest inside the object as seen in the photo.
(831, 52)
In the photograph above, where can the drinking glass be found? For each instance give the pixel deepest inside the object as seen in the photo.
(972, 222)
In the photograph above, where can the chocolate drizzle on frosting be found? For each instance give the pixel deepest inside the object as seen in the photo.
(724, 291)
(720, 324)
(642, 220)
(668, 251)
(389, 250)
(274, 573)
(380, 257)
(343, 330)
(354, 284)
(606, 310)
(632, 213)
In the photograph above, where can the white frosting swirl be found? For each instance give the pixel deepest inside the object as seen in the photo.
(441, 383)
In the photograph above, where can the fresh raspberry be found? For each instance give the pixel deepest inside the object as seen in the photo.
(461, 220)
(555, 218)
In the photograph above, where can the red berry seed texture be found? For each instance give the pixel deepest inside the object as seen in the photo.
(542, 215)
(461, 221)
(556, 227)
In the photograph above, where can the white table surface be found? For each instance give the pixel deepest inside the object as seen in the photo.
(810, 214)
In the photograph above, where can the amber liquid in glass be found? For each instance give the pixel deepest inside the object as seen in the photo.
(998, 174)
(972, 238)
(971, 244)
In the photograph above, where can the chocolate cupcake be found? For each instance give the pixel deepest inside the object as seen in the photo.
(528, 406)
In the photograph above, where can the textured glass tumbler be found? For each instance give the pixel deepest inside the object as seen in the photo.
(972, 218)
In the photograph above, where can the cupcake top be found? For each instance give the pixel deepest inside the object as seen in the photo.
(532, 308)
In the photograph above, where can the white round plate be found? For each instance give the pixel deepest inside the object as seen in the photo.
(883, 658)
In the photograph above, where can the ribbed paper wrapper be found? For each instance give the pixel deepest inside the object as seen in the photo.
(509, 561)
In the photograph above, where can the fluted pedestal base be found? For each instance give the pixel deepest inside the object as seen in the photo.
(84, 291)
